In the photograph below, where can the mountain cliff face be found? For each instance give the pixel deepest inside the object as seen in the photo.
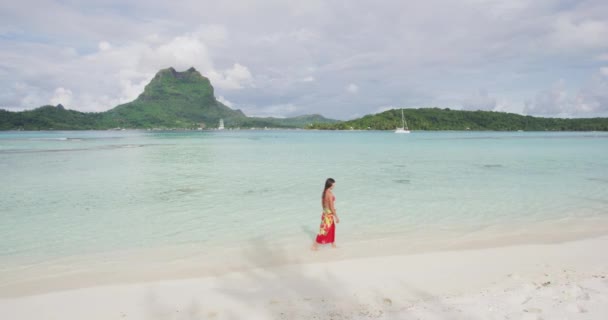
(168, 84)
(174, 99)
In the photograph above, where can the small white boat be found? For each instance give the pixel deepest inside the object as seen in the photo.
(221, 127)
(403, 129)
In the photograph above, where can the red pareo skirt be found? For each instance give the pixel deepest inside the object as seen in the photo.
(327, 230)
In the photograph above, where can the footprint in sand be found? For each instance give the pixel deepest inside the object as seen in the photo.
(519, 299)
(575, 308)
(533, 310)
(387, 301)
(578, 293)
(531, 316)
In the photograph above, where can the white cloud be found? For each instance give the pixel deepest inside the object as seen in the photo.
(504, 105)
(301, 35)
(104, 45)
(277, 111)
(213, 35)
(590, 101)
(553, 101)
(480, 101)
(153, 38)
(236, 77)
(115, 74)
(224, 101)
(604, 71)
(382, 109)
(131, 89)
(352, 88)
(572, 32)
(21, 94)
(180, 52)
(514, 47)
(62, 96)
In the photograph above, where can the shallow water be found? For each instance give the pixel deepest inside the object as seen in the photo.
(80, 193)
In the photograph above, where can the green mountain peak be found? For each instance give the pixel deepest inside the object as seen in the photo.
(174, 99)
(169, 83)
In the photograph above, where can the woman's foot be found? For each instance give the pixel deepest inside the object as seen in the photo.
(333, 245)
(314, 247)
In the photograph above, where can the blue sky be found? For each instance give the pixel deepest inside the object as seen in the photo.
(342, 59)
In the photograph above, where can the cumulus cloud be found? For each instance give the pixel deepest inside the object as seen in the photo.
(275, 53)
(180, 52)
(62, 96)
(352, 88)
(116, 74)
(552, 101)
(277, 111)
(572, 32)
(480, 101)
(591, 100)
(504, 105)
(104, 45)
(236, 77)
(225, 101)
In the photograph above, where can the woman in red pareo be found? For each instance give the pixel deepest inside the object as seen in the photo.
(329, 217)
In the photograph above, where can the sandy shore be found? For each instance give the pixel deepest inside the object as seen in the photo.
(550, 281)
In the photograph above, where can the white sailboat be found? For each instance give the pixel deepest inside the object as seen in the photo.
(221, 127)
(404, 128)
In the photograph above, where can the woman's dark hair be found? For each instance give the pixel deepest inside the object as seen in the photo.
(328, 183)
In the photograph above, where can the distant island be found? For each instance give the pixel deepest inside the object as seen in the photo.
(186, 100)
(172, 100)
(447, 119)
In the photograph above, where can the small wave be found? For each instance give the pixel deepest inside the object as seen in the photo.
(493, 166)
(402, 181)
(598, 180)
(130, 146)
(48, 139)
(186, 190)
(256, 191)
(108, 147)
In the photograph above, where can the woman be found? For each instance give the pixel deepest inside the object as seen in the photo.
(329, 217)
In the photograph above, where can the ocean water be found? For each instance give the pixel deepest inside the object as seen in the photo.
(80, 193)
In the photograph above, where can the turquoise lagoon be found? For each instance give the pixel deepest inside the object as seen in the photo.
(72, 193)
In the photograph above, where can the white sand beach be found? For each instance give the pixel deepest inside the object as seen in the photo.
(566, 280)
